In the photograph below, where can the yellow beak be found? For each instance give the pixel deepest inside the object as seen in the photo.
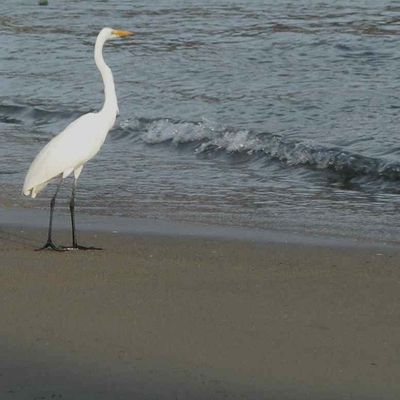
(122, 33)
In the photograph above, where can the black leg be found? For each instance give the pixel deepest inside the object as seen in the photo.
(72, 211)
(75, 245)
(50, 244)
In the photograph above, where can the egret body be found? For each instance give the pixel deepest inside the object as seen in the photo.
(68, 152)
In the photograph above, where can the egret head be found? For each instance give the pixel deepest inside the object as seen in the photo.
(110, 33)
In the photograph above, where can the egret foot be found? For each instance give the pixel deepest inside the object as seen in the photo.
(50, 246)
(79, 247)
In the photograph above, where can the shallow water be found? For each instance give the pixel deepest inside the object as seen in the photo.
(269, 114)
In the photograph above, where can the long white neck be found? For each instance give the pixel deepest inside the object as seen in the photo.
(110, 103)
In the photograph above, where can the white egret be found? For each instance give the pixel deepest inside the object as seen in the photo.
(68, 152)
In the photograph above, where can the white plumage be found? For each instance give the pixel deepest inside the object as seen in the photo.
(68, 151)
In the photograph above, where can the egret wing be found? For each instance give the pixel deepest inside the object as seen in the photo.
(70, 149)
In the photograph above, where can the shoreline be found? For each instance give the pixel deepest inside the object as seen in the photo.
(166, 315)
(31, 218)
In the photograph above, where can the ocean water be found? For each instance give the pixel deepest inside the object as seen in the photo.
(270, 114)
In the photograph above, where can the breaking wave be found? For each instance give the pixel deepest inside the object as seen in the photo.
(208, 137)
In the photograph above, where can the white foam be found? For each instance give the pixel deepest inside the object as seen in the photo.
(177, 132)
(208, 134)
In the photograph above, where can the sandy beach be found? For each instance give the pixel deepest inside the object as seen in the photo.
(185, 317)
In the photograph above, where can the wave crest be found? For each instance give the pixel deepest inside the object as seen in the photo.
(209, 137)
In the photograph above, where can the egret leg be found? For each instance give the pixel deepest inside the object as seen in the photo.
(72, 211)
(50, 244)
(75, 245)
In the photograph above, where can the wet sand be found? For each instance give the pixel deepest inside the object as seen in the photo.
(185, 317)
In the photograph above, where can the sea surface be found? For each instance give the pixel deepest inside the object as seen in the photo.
(270, 114)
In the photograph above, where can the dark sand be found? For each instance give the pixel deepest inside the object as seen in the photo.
(179, 317)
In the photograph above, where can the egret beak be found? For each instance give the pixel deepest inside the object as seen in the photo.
(122, 33)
